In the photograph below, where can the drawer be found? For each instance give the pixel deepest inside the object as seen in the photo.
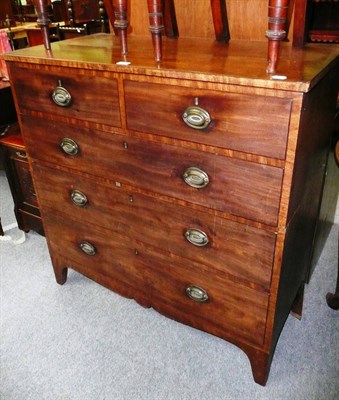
(243, 252)
(161, 281)
(236, 187)
(230, 311)
(97, 253)
(248, 123)
(93, 98)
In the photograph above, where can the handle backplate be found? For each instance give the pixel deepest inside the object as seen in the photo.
(196, 117)
(78, 198)
(87, 248)
(196, 177)
(197, 293)
(196, 237)
(69, 146)
(61, 97)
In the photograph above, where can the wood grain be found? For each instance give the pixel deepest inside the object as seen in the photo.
(236, 119)
(236, 187)
(134, 270)
(162, 225)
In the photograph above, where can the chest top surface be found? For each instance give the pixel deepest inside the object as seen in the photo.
(240, 62)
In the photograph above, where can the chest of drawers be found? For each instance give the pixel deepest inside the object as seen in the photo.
(192, 186)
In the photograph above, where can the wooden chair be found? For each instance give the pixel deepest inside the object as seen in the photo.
(162, 18)
(316, 21)
(84, 17)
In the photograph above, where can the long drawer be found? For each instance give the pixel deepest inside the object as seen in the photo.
(92, 97)
(229, 185)
(243, 252)
(250, 123)
(184, 291)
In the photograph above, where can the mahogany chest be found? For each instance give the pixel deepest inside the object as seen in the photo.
(192, 186)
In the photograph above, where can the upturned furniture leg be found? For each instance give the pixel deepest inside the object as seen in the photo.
(170, 19)
(121, 22)
(110, 13)
(156, 26)
(220, 20)
(277, 17)
(43, 21)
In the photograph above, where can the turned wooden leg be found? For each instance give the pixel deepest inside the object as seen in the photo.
(110, 13)
(277, 18)
(220, 20)
(170, 19)
(43, 21)
(156, 26)
(120, 23)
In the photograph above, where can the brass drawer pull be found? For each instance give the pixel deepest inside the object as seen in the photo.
(196, 178)
(88, 248)
(196, 117)
(78, 198)
(196, 237)
(196, 293)
(61, 96)
(21, 154)
(69, 146)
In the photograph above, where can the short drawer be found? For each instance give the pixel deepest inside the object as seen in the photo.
(204, 299)
(169, 284)
(248, 123)
(243, 252)
(92, 98)
(234, 186)
(99, 254)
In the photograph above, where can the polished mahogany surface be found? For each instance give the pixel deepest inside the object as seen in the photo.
(239, 62)
(192, 185)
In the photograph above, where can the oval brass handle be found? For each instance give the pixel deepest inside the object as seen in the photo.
(197, 293)
(197, 237)
(61, 97)
(78, 198)
(196, 178)
(196, 117)
(88, 248)
(69, 146)
(21, 154)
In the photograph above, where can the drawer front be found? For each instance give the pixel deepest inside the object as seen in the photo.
(93, 98)
(236, 187)
(243, 252)
(161, 281)
(248, 123)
